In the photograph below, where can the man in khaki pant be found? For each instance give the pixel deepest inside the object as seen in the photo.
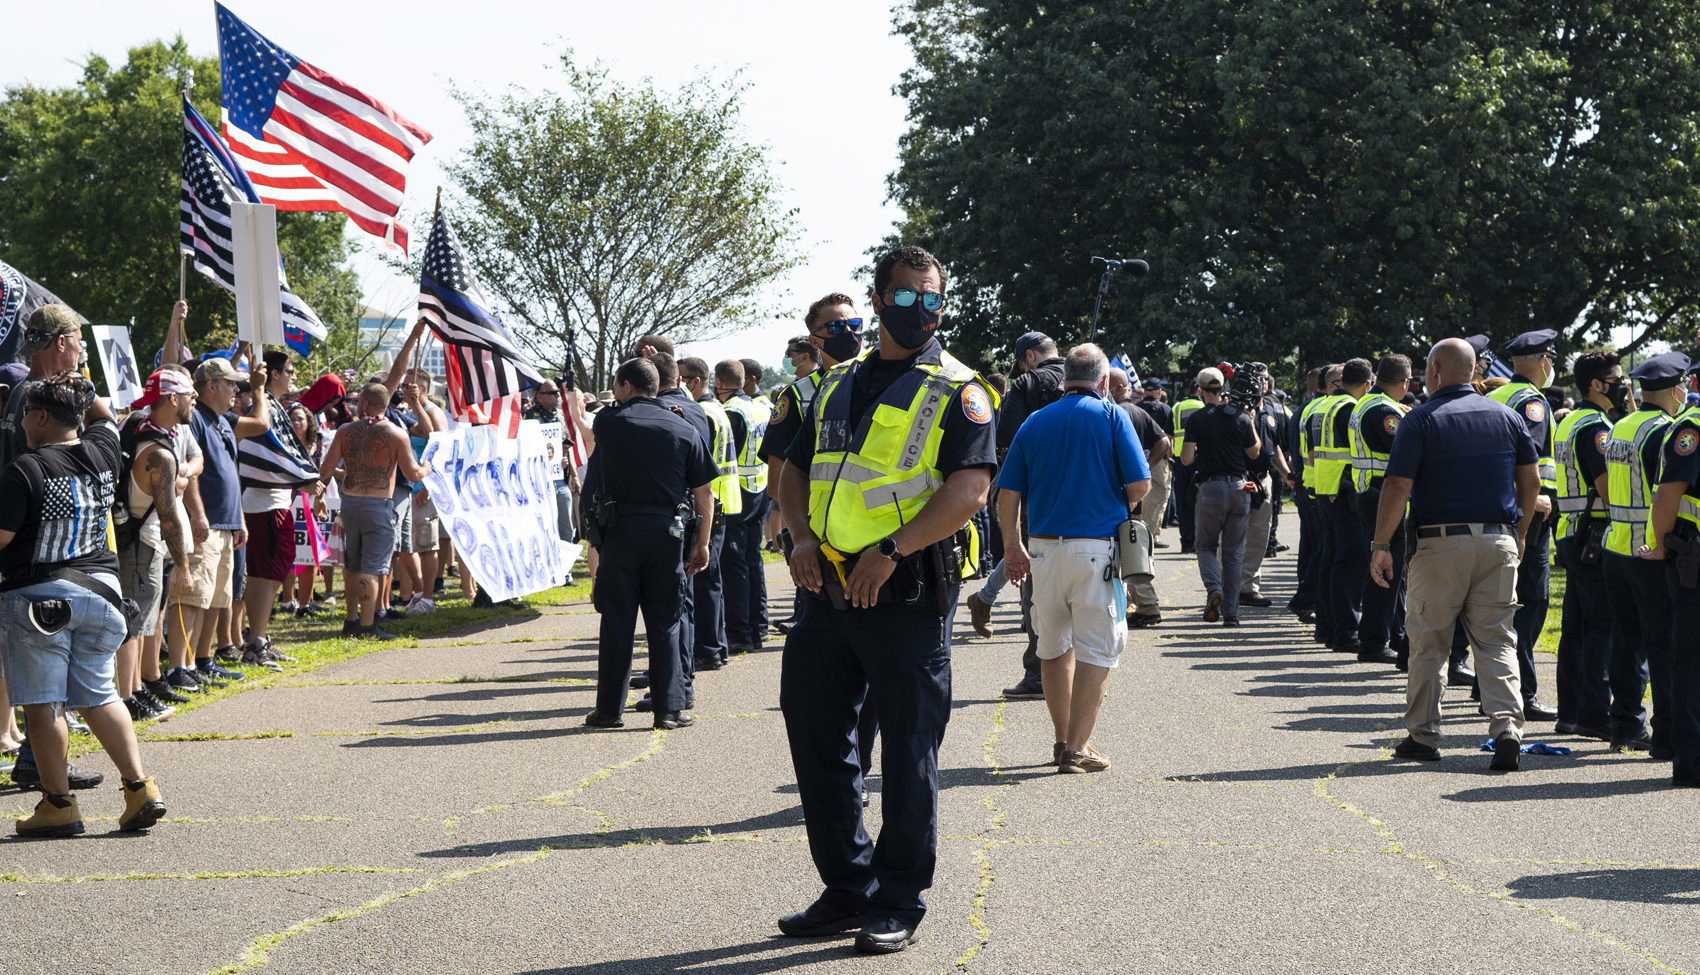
(1467, 466)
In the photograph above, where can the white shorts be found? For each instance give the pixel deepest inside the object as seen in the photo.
(1074, 607)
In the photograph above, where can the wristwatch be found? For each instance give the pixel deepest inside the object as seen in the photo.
(1380, 547)
(888, 548)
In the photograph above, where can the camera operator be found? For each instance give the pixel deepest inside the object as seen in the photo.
(1220, 440)
(1251, 392)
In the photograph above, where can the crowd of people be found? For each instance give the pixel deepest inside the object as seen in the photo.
(144, 556)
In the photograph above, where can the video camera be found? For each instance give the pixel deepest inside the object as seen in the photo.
(1245, 382)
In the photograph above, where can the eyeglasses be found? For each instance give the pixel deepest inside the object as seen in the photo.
(904, 297)
(855, 324)
(37, 336)
(548, 392)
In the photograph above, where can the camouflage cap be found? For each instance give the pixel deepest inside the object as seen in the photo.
(48, 323)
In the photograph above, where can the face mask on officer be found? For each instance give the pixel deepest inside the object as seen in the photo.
(840, 340)
(910, 317)
(1617, 391)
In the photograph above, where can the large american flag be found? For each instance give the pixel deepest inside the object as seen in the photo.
(309, 140)
(210, 178)
(485, 368)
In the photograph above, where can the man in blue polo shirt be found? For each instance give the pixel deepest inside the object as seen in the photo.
(1467, 466)
(1078, 467)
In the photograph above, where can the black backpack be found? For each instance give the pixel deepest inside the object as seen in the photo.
(132, 438)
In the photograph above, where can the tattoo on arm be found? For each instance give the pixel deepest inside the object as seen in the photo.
(160, 467)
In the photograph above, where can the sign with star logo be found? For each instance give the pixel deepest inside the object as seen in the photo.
(118, 362)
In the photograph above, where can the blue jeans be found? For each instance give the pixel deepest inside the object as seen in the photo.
(73, 665)
(995, 581)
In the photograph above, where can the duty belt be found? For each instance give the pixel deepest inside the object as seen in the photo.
(1471, 528)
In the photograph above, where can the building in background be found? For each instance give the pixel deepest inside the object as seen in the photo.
(386, 331)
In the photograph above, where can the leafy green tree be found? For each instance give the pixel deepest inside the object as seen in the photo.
(89, 178)
(1308, 179)
(608, 211)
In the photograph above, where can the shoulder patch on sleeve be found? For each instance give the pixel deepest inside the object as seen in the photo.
(1535, 410)
(976, 405)
(1687, 439)
(784, 408)
(1602, 438)
(1391, 423)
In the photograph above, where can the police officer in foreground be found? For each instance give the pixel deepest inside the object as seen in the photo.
(1641, 604)
(646, 481)
(1532, 370)
(1467, 467)
(876, 527)
(1675, 539)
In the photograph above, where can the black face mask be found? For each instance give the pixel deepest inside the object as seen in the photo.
(909, 327)
(843, 346)
(1618, 393)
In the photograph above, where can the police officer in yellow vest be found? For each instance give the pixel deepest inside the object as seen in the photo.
(896, 457)
(1579, 453)
(1182, 480)
(709, 648)
(1301, 478)
(1375, 419)
(1348, 570)
(1321, 467)
(1640, 600)
(743, 579)
(1532, 370)
(1674, 536)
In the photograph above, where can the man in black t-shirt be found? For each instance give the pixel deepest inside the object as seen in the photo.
(1143, 609)
(61, 597)
(1220, 441)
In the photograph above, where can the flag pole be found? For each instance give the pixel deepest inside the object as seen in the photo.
(183, 259)
(418, 350)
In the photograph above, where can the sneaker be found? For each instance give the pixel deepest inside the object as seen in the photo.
(29, 777)
(76, 725)
(284, 609)
(1088, 759)
(254, 655)
(137, 713)
(482, 600)
(438, 588)
(393, 614)
(1025, 688)
(272, 652)
(351, 626)
(212, 669)
(163, 690)
(420, 606)
(184, 681)
(160, 710)
(1256, 599)
(325, 598)
(227, 655)
(307, 611)
(54, 816)
(142, 806)
(375, 632)
(1417, 751)
(1140, 621)
(206, 680)
(1213, 608)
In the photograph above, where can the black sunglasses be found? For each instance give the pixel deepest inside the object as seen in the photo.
(842, 325)
(904, 297)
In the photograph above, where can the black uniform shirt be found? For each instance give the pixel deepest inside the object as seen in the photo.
(1222, 432)
(1160, 412)
(787, 418)
(1029, 392)
(1144, 425)
(1268, 427)
(1591, 449)
(680, 402)
(646, 454)
(969, 438)
(1379, 424)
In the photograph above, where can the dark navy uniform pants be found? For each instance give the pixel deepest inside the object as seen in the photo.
(1382, 625)
(1684, 697)
(1183, 504)
(642, 569)
(708, 604)
(896, 656)
(1584, 645)
(1534, 575)
(744, 578)
(1324, 570)
(1640, 643)
(1310, 542)
(1348, 570)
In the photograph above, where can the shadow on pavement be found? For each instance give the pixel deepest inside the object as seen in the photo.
(716, 961)
(1671, 885)
(1559, 790)
(657, 836)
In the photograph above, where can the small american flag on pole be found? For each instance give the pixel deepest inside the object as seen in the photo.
(310, 141)
(486, 371)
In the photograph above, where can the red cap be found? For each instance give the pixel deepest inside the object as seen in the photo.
(165, 382)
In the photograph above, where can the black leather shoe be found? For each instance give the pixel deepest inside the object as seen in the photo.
(885, 935)
(1416, 750)
(645, 703)
(639, 682)
(820, 919)
(670, 720)
(1587, 731)
(1382, 656)
(708, 663)
(596, 719)
(1640, 743)
(1506, 752)
(1352, 647)
(1140, 621)
(1307, 617)
(1261, 602)
(1460, 677)
(1534, 710)
(1662, 753)
(1230, 621)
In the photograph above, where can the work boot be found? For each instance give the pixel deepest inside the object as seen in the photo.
(142, 806)
(980, 614)
(54, 816)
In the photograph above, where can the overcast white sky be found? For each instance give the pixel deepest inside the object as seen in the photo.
(820, 91)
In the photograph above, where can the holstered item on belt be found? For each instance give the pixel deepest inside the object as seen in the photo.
(907, 584)
(1685, 552)
(786, 544)
(1259, 494)
(1593, 533)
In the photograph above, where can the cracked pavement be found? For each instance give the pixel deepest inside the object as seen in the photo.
(441, 808)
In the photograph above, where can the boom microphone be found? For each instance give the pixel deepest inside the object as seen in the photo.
(1130, 265)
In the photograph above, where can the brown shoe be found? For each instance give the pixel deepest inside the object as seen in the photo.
(980, 614)
(1088, 759)
(143, 806)
(54, 816)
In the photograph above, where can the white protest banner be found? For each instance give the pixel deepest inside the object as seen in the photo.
(495, 496)
(123, 380)
(253, 232)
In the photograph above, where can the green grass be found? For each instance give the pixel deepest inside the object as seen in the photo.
(1548, 641)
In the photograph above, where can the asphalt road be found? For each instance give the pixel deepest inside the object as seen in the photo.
(441, 809)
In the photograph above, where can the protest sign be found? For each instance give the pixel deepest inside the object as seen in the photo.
(495, 496)
(552, 436)
(123, 381)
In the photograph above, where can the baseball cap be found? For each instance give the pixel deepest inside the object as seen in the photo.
(1029, 341)
(216, 368)
(164, 382)
(46, 324)
(1210, 378)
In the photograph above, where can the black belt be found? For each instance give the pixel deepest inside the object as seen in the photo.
(1225, 477)
(1074, 538)
(625, 508)
(1442, 531)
